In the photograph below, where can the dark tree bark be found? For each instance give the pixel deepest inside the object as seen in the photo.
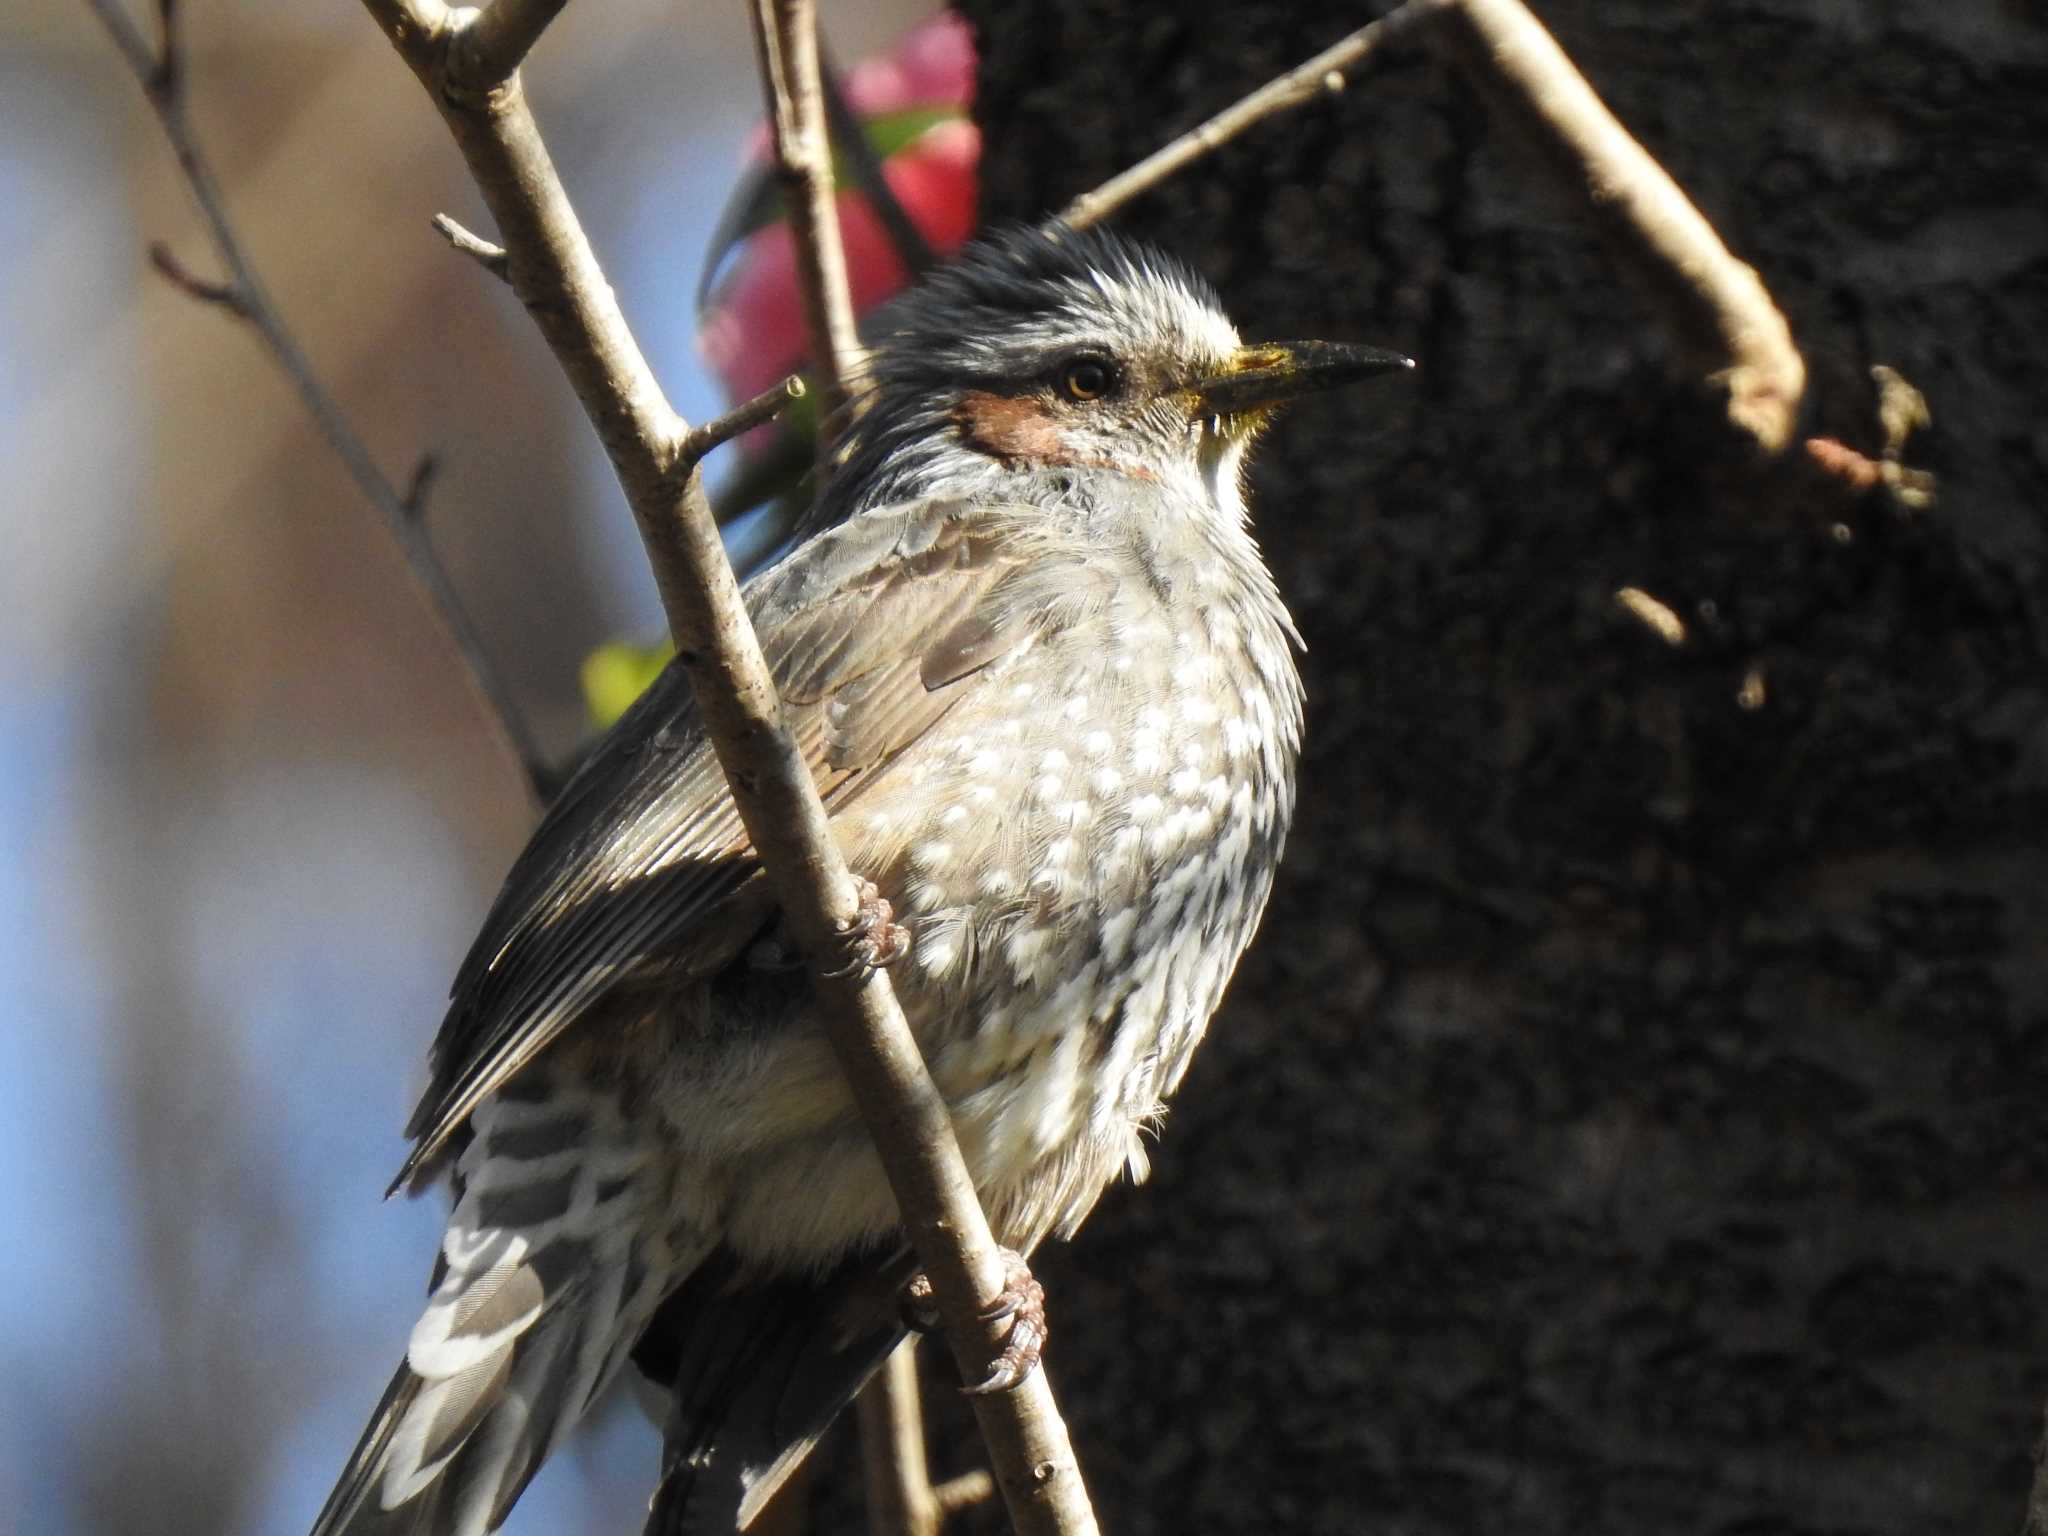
(1631, 1118)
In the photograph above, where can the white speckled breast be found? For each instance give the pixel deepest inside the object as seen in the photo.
(1085, 867)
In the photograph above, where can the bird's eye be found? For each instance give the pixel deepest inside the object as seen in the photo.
(1087, 378)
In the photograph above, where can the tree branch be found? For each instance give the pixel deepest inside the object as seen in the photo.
(555, 274)
(1027, 1439)
(894, 1472)
(900, 1496)
(243, 293)
(786, 39)
(743, 418)
(1320, 76)
(205, 290)
(479, 250)
(1716, 305)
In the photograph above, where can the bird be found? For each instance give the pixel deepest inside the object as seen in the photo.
(1048, 689)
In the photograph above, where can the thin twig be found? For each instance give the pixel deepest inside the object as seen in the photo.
(421, 486)
(850, 138)
(896, 1476)
(786, 39)
(243, 293)
(551, 267)
(743, 418)
(964, 1492)
(491, 258)
(181, 277)
(558, 279)
(169, 74)
(1718, 307)
(900, 1495)
(1323, 75)
(157, 73)
(1654, 614)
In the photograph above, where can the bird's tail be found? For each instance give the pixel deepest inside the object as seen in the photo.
(556, 1255)
(759, 1369)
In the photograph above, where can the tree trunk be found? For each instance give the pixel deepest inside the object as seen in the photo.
(1631, 1117)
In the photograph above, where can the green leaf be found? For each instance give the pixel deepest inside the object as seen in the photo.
(615, 675)
(898, 130)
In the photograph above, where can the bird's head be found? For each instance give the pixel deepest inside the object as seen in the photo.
(1063, 349)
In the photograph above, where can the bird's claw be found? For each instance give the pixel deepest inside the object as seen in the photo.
(874, 938)
(1021, 1301)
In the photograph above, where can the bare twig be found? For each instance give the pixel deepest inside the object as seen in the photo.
(170, 59)
(421, 486)
(1856, 470)
(900, 1494)
(786, 38)
(244, 294)
(964, 1492)
(551, 267)
(895, 1473)
(850, 138)
(158, 73)
(1653, 614)
(206, 291)
(1718, 307)
(491, 258)
(1323, 75)
(1901, 411)
(720, 430)
(557, 277)
(1751, 694)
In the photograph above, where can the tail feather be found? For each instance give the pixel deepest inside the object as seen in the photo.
(346, 1504)
(555, 1257)
(760, 1369)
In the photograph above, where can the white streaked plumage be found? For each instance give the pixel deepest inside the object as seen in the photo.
(1034, 658)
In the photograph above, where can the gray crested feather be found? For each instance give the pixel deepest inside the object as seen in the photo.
(1004, 315)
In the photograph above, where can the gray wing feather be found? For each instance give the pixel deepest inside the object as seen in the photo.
(643, 854)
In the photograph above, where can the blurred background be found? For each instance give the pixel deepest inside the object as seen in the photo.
(1630, 1118)
(250, 812)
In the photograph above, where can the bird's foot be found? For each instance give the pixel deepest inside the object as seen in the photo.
(1021, 1301)
(874, 938)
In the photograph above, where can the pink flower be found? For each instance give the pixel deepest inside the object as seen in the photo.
(752, 331)
(932, 66)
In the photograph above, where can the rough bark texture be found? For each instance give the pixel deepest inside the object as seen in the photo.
(1632, 1116)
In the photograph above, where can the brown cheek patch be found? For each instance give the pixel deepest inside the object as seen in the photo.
(1009, 428)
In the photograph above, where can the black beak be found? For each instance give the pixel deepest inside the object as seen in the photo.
(1270, 372)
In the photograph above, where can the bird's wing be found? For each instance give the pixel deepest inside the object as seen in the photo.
(874, 631)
